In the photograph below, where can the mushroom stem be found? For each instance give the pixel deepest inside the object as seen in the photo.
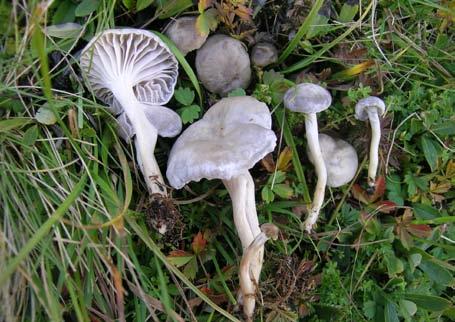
(145, 140)
(238, 190)
(241, 190)
(374, 146)
(311, 127)
(248, 280)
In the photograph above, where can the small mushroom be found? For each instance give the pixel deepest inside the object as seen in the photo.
(264, 54)
(370, 108)
(340, 160)
(184, 33)
(311, 99)
(231, 138)
(248, 282)
(223, 65)
(135, 73)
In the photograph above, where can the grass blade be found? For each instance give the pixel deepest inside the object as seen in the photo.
(42, 231)
(155, 249)
(304, 28)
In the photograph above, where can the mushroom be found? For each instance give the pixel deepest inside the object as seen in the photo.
(340, 160)
(135, 73)
(310, 99)
(248, 282)
(184, 33)
(264, 54)
(370, 108)
(223, 65)
(231, 138)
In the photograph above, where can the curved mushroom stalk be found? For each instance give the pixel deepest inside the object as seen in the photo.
(145, 140)
(311, 127)
(241, 190)
(248, 279)
(374, 147)
(311, 99)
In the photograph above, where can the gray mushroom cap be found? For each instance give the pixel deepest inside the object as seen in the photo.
(133, 55)
(184, 34)
(264, 54)
(340, 159)
(231, 138)
(307, 98)
(223, 64)
(166, 121)
(368, 103)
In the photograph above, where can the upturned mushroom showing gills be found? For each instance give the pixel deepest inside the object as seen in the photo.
(135, 73)
(231, 138)
(370, 108)
(248, 283)
(223, 65)
(311, 99)
(340, 160)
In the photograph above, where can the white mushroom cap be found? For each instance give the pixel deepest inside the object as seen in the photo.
(223, 64)
(368, 103)
(264, 54)
(340, 159)
(233, 135)
(135, 55)
(307, 98)
(184, 34)
(166, 121)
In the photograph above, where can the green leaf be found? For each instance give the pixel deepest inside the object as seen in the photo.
(179, 261)
(415, 182)
(237, 92)
(348, 11)
(429, 151)
(64, 13)
(202, 24)
(129, 4)
(277, 177)
(429, 302)
(436, 273)
(30, 136)
(390, 313)
(142, 4)
(394, 191)
(445, 129)
(86, 7)
(189, 113)
(409, 307)
(267, 194)
(283, 190)
(45, 116)
(190, 269)
(13, 123)
(168, 9)
(422, 211)
(184, 95)
(369, 309)
(394, 264)
(64, 31)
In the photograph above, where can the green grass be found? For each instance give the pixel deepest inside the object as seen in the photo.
(75, 239)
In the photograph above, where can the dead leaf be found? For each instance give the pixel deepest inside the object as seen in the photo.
(199, 243)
